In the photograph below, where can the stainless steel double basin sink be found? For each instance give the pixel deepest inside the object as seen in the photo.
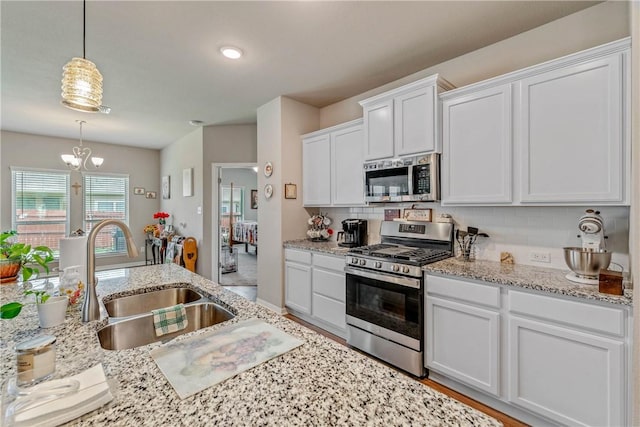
(131, 320)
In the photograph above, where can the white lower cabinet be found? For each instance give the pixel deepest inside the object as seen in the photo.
(463, 338)
(458, 331)
(544, 359)
(297, 276)
(324, 290)
(560, 368)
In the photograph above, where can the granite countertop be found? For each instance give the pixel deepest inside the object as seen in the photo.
(319, 383)
(329, 247)
(525, 276)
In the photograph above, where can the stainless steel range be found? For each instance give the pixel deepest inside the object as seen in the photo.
(385, 291)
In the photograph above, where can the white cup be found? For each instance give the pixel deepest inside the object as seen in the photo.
(53, 311)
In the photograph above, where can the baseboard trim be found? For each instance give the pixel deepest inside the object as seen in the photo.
(272, 307)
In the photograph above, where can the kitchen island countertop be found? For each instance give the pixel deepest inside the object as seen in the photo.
(320, 383)
(525, 276)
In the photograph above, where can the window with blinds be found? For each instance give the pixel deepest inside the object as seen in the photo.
(106, 197)
(40, 205)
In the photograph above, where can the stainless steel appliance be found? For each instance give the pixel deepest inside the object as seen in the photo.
(587, 261)
(385, 291)
(354, 233)
(406, 179)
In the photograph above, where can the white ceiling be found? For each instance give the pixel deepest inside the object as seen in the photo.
(161, 64)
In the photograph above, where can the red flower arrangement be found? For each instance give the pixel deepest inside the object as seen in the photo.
(161, 215)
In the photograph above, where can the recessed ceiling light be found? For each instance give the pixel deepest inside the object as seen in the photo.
(231, 52)
(196, 122)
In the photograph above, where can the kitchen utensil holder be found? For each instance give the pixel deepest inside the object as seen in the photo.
(468, 254)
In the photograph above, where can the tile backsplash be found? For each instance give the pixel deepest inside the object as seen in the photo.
(516, 229)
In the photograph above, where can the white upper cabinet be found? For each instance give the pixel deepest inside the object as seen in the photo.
(557, 133)
(571, 133)
(415, 114)
(332, 173)
(316, 171)
(347, 179)
(378, 130)
(403, 121)
(477, 147)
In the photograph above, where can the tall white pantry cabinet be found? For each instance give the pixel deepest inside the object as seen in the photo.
(557, 133)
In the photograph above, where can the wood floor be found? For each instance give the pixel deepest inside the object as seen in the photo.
(503, 418)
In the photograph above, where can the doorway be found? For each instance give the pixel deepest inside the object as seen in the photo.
(237, 229)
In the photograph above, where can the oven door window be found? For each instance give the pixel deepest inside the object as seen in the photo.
(394, 307)
(387, 182)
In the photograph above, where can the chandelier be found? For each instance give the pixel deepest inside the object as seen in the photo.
(81, 80)
(78, 159)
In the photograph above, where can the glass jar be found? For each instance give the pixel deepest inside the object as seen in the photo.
(36, 359)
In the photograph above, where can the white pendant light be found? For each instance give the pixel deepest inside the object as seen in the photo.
(81, 80)
(78, 160)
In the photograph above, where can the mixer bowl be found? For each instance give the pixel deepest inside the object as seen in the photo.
(587, 263)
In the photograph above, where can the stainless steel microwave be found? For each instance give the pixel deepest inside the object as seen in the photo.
(406, 179)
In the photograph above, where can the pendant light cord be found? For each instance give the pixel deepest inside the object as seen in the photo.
(84, 30)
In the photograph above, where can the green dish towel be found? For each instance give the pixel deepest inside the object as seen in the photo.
(169, 319)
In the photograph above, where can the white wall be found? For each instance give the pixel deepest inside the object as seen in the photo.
(182, 154)
(43, 152)
(280, 124)
(596, 25)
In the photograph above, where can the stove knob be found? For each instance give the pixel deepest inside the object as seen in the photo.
(405, 269)
(363, 262)
(378, 264)
(354, 260)
(395, 268)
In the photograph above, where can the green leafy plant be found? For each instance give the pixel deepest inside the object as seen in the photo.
(12, 309)
(30, 258)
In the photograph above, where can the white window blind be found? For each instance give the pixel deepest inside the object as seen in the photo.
(106, 197)
(40, 201)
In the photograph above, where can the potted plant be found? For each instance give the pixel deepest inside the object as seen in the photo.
(16, 257)
(51, 310)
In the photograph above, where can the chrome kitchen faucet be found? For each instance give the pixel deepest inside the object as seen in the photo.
(90, 306)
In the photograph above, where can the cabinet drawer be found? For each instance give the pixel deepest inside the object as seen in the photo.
(329, 311)
(609, 320)
(297, 256)
(472, 292)
(329, 262)
(330, 284)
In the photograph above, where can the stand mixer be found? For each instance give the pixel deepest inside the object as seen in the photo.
(587, 261)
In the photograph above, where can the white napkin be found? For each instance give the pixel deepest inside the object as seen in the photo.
(92, 394)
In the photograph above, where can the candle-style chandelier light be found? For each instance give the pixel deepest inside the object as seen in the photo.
(78, 160)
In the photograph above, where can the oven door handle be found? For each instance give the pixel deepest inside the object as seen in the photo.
(396, 280)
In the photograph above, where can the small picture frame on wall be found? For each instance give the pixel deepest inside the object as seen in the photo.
(151, 195)
(254, 199)
(290, 191)
(138, 191)
(166, 187)
(187, 182)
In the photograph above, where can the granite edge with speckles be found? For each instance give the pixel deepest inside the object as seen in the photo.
(320, 383)
(527, 277)
(541, 279)
(328, 247)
